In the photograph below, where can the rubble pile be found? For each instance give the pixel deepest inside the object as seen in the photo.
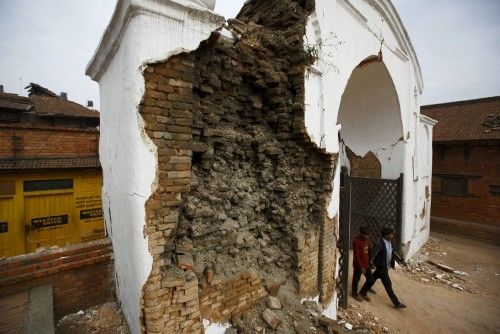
(358, 320)
(267, 317)
(428, 266)
(105, 318)
(285, 313)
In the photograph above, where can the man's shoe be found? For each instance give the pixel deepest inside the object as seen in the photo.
(372, 291)
(400, 306)
(357, 297)
(365, 297)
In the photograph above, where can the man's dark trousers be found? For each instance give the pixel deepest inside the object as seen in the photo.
(383, 274)
(356, 276)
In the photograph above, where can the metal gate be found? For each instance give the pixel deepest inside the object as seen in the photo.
(376, 203)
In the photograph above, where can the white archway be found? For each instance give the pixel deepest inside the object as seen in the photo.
(370, 119)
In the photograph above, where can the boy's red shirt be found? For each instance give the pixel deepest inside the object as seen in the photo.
(360, 250)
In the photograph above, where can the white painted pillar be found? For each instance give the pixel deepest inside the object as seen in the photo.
(140, 32)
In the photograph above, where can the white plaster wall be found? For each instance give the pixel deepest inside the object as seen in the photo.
(140, 32)
(423, 179)
(349, 32)
(314, 101)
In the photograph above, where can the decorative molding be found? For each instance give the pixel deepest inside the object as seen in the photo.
(353, 11)
(209, 4)
(427, 120)
(316, 68)
(125, 10)
(401, 55)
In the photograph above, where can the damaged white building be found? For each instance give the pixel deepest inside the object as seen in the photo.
(223, 145)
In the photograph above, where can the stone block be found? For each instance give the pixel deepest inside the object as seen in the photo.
(273, 303)
(185, 261)
(271, 318)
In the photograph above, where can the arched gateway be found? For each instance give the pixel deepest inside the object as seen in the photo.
(369, 113)
(222, 145)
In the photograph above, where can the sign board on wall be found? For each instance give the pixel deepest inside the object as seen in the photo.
(50, 221)
(91, 213)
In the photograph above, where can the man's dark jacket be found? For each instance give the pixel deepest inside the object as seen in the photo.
(379, 255)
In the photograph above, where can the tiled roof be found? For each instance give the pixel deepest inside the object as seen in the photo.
(48, 105)
(15, 102)
(470, 120)
(43, 102)
(49, 163)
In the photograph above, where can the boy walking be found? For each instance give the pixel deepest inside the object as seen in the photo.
(360, 252)
(383, 257)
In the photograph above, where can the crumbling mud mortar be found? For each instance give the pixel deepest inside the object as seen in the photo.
(242, 192)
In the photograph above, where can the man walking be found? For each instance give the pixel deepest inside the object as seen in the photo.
(360, 264)
(383, 257)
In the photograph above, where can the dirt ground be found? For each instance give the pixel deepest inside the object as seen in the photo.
(102, 319)
(440, 301)
(459, 298)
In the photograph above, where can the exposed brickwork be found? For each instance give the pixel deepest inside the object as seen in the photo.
(14, 309)
(170, 295)
(477, 214)
(327, 259)
(241, 191)
(367, 166)
(307, 252)
(21, 141)
(221, 299)
(81, 275)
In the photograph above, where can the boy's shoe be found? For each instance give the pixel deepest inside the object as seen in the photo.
(365, 297)
(372, 291)
(400, 306)
(357, 297)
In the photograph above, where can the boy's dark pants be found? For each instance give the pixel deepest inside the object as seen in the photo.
(383, 274)
(357, 276)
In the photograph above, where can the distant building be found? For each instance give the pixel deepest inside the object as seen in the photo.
(50, 176)
(466, 167)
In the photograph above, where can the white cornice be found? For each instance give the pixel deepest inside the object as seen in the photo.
(427, 120)
(401, 54)
(125, 10)
(353, 11)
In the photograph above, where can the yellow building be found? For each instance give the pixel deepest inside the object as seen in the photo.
(50, 176)
(45, 209)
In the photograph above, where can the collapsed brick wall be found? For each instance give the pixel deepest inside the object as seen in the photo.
(240, 204)
(81, 275)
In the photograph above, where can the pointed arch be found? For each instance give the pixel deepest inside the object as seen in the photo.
(370, 116)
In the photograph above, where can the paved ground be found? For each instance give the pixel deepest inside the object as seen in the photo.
(434, 305)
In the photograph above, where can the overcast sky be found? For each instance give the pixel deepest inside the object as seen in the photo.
(50, 42)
